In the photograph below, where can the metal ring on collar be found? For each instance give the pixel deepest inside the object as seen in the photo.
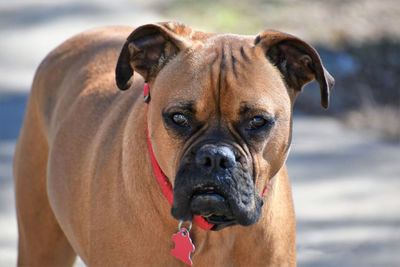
(180, 226)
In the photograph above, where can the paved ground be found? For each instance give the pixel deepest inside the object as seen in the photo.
(345, 183)
(346, 192)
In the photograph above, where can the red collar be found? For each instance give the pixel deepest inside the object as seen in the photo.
(162, 179)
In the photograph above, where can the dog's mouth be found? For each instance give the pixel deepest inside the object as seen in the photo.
(223, 194)
(211, 204)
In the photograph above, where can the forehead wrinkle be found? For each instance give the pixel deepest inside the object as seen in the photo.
(236, 83)
(221, 77)
(222, 68)
(235, 65)
(206, 61)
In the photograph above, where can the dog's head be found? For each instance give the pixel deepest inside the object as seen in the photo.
(220, 114)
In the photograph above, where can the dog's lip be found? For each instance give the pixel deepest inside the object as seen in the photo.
(220, 222)
(206, 190)
(211, 195)
(214, 219)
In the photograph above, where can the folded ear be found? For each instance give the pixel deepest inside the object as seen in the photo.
(298, 62)
(147, 49)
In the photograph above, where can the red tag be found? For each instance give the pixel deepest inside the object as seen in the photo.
(183, 246)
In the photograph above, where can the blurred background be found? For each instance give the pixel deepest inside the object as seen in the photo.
(345, 162)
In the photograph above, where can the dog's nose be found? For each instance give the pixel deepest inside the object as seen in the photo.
(215, 158)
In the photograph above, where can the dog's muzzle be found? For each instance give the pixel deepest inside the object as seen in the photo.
(213, 182)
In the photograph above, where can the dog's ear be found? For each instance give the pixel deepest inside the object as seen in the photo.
(298, 62)
(147, 49)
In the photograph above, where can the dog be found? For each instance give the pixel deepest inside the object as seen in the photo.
(112, 175)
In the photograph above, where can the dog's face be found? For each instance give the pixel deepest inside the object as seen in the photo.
(220, 113)
(222, 134)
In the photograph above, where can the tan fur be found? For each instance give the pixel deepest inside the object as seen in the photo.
(84, 182)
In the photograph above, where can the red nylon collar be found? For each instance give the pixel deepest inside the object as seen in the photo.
(162, 179)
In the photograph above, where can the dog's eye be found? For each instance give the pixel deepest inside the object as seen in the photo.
(256, 123)
(180, 119)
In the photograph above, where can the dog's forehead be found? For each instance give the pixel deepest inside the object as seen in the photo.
(232, 39)
(220, 74)
(220, 44)
(233, 71)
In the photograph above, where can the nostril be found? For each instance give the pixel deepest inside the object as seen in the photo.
(213, 158)
(226, 158)
(206, 162)
(225, 163)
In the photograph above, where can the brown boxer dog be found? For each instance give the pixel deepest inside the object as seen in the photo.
(219, 119)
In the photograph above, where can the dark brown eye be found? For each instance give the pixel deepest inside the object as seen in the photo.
(180, 120)
(256, 123)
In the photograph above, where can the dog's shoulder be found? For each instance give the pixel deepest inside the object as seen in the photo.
(86, 44)
(82, 65)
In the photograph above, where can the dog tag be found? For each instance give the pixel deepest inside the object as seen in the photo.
(183, 246)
